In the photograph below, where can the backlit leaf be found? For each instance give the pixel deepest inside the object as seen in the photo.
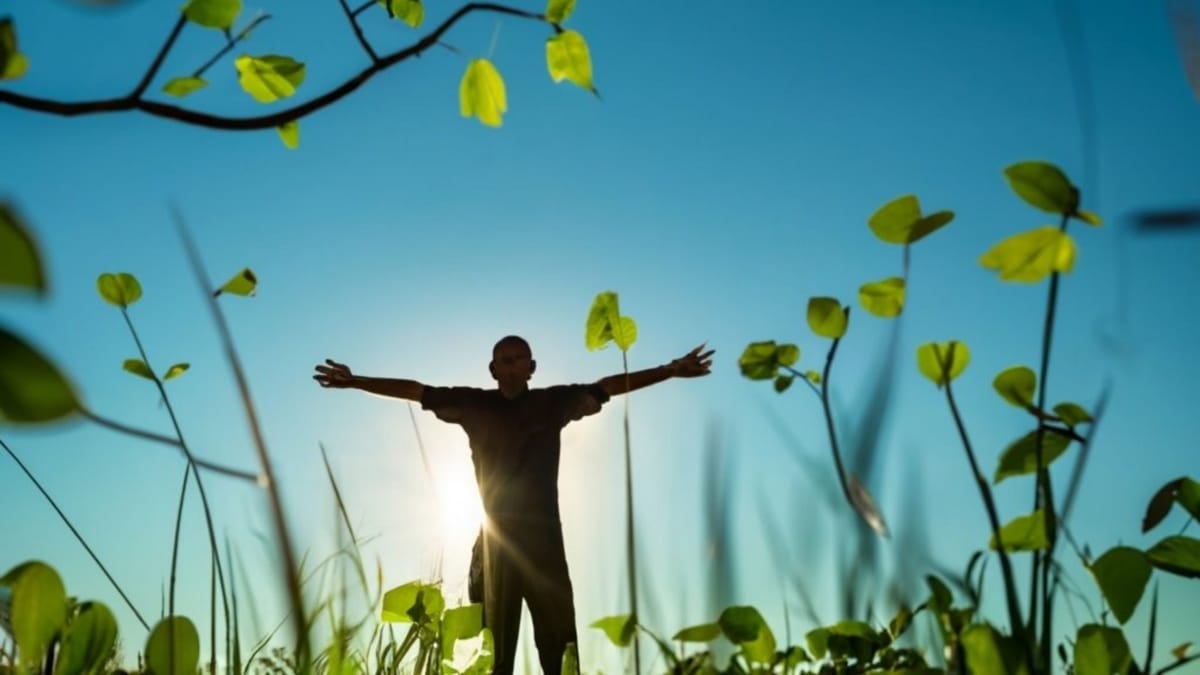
(39, 610)
(269, 78)
(989, 653)
(411, 12)
(619, 629)
(761, 360)
(558, 11)
(289, 133)
(138, 367)
(182, 86)
(900, 221)
(900, 623)
(1031, 256)
(219, 14)
(460, 623)
(570, 660)
(1023, 533)
(883, 298)
(1088, 217)
(88, 640)
(1043, 186)
(1122, 573)
(1101, 650)
(1177, 555)
(121, 289)
(1180, 651)
(243, 283)
(1017, 386)
(31, 389)
(1160, 504)
(817, 641)
(605, 323)
(413, 602)
(181, 632)
(783, 382)
(567, 58)
(13, 63)
(826, 317)
(175, 371)
(1020, 457)
(1188, 496)
(20, 264)
(745, 626)
(944, 362)
(705, 632)
(1072, 414)
(481, 93)
(813, 376)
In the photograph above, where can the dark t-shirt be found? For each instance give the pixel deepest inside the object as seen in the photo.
(515, 442)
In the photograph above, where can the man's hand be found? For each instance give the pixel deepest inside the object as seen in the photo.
(695, 363)
(334, 374)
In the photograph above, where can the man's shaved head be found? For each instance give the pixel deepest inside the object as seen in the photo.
(511, 341)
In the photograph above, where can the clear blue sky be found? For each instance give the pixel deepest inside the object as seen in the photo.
(725, 177)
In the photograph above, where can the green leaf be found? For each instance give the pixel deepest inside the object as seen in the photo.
(1178, 555)
(988, 653)
(1188, 496)
(1031, 256)
(567, 58)
(138, 367)
(619, 629)
(605, 323)
(883, 298)
(1017, 386)
(483, 664)
(1023, 533)
(854, 640)
(900, 221)
(460, 623)
(813, 376)
(1043, 186)
(88, 641)
(289, 133)
(180, 631)
(705, 632)
(481, 93)
(940, 598)
(1072, 414)
(1122, 573)
(38, 610)
(944, 362)
(269, 78)
(744, 626)
(1101, 650)
(182, 86)
(1088, 217)
(1160, 504)
(219, 14)
(570, 660)
(761, 360)
(411, 12)
(1180, 651)
(175, 371)
(817, 641)
(121, 289)
(32, 389)
(783, 382)
(557, 11)
(826, 317)
(13, 63)
(243, 283)
(20, 264)
(1020, 457)
(900, 623)
(413, 602)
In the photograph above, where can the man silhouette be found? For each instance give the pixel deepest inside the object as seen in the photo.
(514, 437)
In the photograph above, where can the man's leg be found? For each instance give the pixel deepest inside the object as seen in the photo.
(501, 603)
(548, 593)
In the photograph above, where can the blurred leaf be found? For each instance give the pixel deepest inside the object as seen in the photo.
(1072, 414)
(864, 505)
(1031, 256)
(481, 93)
(269, 78)
(854, 640)
(182, 86)
(138, 367)
(605, 323)
(1160, 504)
(243, 283)
(413, 602)
(39, 610)
(817, 641)
(1180, 652)
(989, 653)
(944, 362)
(121, 289)
(940, 599)
(567, 58)
(1122, 573)
(1188, 497)
(761, 360)
(883, 298)
(812, 375)
(1101, 650)
(783, 382)
(1020, 458)
(219, 14)
(570, 660)
(900, 623)
(1178, 555)
(88, 641)
(745, 627)
(705, 632)
(460, 623)
(31, 388)
(558, 11)
(411, 12)
(619, 629)
(289, 133)
(826, 317)
(900, 221)
(1043, 186)
(20, 264)
(180, 631)
(486, 659)
(1016, 385)
(13, 63)
(175, 371)
(1023, 533)
(1088, 217)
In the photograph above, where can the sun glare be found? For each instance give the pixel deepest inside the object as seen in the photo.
(459, 504)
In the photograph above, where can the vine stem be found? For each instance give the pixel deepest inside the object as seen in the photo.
(631, 550)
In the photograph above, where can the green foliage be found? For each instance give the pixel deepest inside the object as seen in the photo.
(13, 63)
(89, 639)
(1017, 385)
(1122, 573)
(1183, 491)
(175, 370)
(414, 602)
(121, 289)
(1043, 186)
(705, 632)
(460, 623)
(884, 298)
(1101, 650)
(39, 610)
(570, 660)
(138, 367)
(289, 133)
(32, 390)
(782, 383)
(1072, 414)
(411, 12)
(944, 362)
(605, 324)
(900, 221)
(269, 78)
(219, 14)
(481, 93)
(1178, 555)
(173, 647)
(244, 283)
(1024, 533)
(557, 11)
(567, 58)
(745, 627)
(20, 263)
(1032, 256)
(182, 86)
(827, 318)
(619, 629)
(989, 652)
(762, 360)
(1020, 457)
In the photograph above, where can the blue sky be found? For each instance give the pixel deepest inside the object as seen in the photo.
(724, 178)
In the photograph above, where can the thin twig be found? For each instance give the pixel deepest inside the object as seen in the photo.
(358, 33)
(230, 44)
(158, 59)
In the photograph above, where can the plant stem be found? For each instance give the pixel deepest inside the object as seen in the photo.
(158, 58)
(837, 455)
(174, 561)
(630, 549)
(230, 44)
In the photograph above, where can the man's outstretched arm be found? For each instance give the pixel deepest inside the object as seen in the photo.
(338, 376)
(695, 363)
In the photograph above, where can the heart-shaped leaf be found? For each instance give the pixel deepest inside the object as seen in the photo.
(20, 264)
(413, 602)
(705, 632)
(944, 362)
(121, 289)
(1122, 573)
(1020, 457)
(1017, 386)
(761, 360)
(269, 78)
(567, 58)
(619, 629)
(605, 323)
(1072, 414)
(1160, 504)
(1043, 186)
(39, 610)
(32, 390)
(1101, 650)
(138, 367)
(219, 14)
(182, 86)
(900, 221)
(1023, 533)
(411, 12)
(460, 623)
(745, 627)
(1178, 555)
(88, 641)
(173, 647)
(557, 11)
(883, 298)
(1031, 256)
(826, 317)
(481, 93)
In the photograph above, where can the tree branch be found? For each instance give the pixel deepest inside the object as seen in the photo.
(158, 60)
(230, 44)
(268, 121)
(362, 39)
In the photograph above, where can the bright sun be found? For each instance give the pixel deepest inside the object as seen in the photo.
(458, 502)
